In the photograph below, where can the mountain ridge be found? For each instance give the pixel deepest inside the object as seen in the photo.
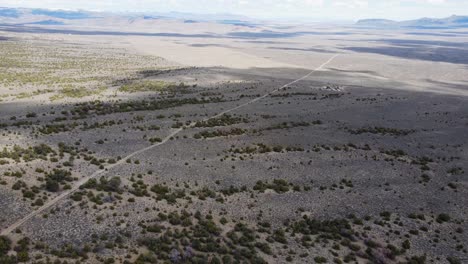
(453, 21)
(41, 14)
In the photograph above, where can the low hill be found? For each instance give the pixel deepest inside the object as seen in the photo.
(448, 22)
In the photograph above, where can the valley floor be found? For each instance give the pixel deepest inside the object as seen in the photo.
(308, 149)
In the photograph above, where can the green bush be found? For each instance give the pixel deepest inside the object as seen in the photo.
(5, 245)
(441, 218)
(319, 259)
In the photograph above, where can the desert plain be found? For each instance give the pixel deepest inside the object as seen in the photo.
(199, 142)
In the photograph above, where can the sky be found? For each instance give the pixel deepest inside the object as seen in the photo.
(311, 10)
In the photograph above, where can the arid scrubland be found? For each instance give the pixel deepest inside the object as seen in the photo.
(112, 155)
(55, 70)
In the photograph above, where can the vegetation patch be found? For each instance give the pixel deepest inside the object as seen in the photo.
(278, 185)
(57, 128)
(56, 179)
(103, 184)
(220, 133)
(102, 108)
(261, 148)
(383, 131)
(18, 153)
(183, 238)
(287, 125)
(224, 120)
(152, 86)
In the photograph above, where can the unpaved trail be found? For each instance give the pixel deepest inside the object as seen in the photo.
(76, 186)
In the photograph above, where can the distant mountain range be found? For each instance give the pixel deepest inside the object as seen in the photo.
(47, 17)
(42, 16)
(64, 17)
(423, 23)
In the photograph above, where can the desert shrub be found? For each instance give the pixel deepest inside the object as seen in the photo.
(56, 128)
(220, 133)
(52, 186)
(417, 260)
(102, 108)
(224, 120)
(328, 229)
(319, 259)
(441, 218)
(155, 140)
(5, 245)
(104, 184)
(383, 131)
(453, 260)
(165, 193)
(425, 178)
(455, 171)
(406, 244)
(27, 154)
(279, 236)
(395, 153)
(55, 178)
(152, 86)
(286, 125)
(278, 185)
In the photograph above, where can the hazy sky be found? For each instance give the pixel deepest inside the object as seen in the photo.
(307, 9)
